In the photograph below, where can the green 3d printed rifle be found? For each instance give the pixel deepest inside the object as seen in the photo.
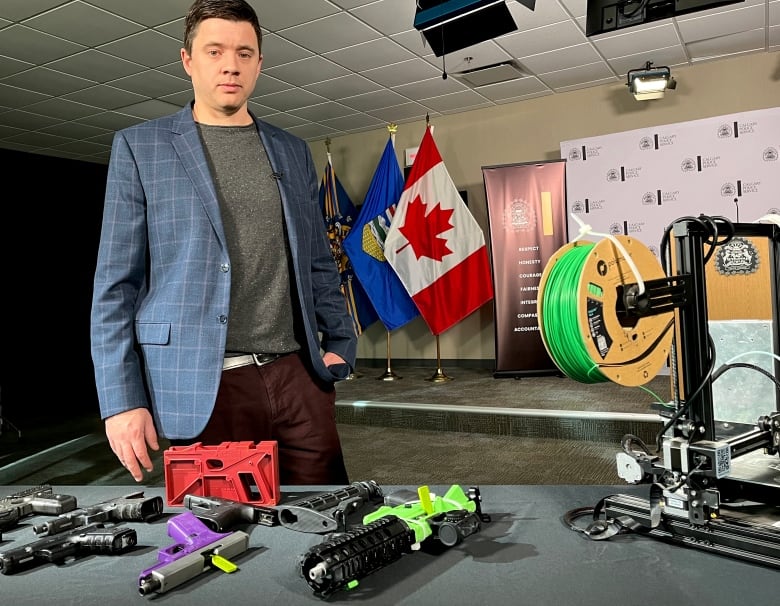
(406, 523)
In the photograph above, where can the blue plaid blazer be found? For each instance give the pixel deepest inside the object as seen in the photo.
(161, 341)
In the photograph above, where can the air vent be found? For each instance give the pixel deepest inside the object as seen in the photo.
(490, 74)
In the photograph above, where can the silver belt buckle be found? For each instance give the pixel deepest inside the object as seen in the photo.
(263, 359)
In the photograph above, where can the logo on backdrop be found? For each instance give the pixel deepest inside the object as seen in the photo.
(649, 198)
(520, 215)
(725, 131)
(574, 154)
(688, 165)
(728, 190)
(616, 229)
(646, 143)
(770, 154)
(737, 257)
(613, 174)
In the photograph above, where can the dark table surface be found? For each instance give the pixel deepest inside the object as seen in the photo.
(524, 555)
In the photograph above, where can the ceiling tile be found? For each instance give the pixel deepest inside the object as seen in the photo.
(633, 40)
(344, 86)
(149, 48)
(576, 76)
(542, 39)
(26, 44)
(330, 33)
(745, 19)
(388, 16)
(96, 66)
(371, 54)
(82, 23)
(47, 81)
(147, 13)
(275, 15)
(570, 56)
(306, 71)
(18, 10)
(10, 66)
(402, 73)
(727, 45)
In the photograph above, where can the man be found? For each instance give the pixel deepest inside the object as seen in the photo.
(216, 311)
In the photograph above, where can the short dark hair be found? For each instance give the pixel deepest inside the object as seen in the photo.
(232, 10)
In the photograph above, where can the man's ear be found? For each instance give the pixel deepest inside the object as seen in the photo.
(186, 60)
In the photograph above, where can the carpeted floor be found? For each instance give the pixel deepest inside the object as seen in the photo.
(424, 432)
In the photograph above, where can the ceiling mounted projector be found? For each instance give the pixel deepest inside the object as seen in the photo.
(451, 25)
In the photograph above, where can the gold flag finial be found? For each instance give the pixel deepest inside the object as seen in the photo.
(392, 127)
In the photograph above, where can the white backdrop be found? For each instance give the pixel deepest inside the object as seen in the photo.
(637, 182)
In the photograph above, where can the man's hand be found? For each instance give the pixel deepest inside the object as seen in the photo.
(336, 365)
(331, 358)
(128, 434)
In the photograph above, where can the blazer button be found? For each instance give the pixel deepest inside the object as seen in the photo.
(224, 268)
(222, 319)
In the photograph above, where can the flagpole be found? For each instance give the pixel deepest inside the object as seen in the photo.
(388, 375)
(438, 376)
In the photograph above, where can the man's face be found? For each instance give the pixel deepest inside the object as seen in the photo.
(224, 65)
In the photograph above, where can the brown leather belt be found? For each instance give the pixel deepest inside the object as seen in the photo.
(260, 359)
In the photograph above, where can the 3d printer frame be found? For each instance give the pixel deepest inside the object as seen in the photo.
(691, 475)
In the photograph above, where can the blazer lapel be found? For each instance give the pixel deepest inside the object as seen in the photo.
(188, 146)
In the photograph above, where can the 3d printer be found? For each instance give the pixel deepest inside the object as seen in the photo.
(713, 485)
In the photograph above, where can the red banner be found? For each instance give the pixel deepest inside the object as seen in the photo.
(526, 206)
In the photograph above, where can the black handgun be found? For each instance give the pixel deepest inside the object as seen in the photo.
(133, 507)
(36, 500)
(93, 538)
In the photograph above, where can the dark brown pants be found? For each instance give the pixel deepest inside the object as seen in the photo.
(280, 401)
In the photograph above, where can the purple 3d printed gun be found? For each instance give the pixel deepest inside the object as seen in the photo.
(196, 550)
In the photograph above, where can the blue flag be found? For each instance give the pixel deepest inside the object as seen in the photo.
(365, 244)
(339, 214)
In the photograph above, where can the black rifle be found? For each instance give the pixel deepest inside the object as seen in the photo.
(133, 507)
(93, 538)
(321, 513)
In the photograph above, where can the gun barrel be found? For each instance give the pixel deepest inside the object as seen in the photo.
(350, 556)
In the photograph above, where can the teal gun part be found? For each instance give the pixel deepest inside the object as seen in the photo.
(388, 533)
(93, 538)
(36, 500)
(133, 507)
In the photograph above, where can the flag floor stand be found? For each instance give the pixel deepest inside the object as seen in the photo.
(388, 375)
(438, 376)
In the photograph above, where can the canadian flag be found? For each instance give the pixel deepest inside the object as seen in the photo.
(436, 246)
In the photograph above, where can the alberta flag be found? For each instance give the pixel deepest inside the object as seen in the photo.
(366, 240)
(339, 214)
(436, 246)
